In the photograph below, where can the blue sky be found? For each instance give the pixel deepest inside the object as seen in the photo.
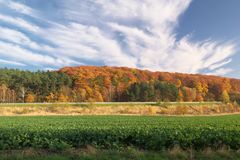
(189, 36)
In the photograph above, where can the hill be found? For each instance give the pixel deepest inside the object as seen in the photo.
(93, 83)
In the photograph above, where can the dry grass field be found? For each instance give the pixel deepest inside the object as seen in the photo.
(120, 109)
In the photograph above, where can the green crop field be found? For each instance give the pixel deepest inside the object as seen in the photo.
(116, 132)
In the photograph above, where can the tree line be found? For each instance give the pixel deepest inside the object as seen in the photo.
(26, 86)
(98, 84)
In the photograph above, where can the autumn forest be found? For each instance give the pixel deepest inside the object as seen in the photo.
(113, 84)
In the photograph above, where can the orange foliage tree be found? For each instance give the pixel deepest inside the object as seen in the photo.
(62, 98)
(111, 82)
(30, 98)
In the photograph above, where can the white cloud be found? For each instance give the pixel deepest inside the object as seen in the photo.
(21, 55)
(89, 43)
(120, 33)
(218, 65)
(17, 7)
(20, 38)
(153, 45)
(221, 71)
(13, 63)
(19, 22)
(50, 69)
(156, 13)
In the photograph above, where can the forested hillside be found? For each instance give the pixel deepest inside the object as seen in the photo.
(90, 83)
(26, 86)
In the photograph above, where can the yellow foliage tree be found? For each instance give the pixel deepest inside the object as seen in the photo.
(199, 97)
(98, 97)
(178, 83)
(82, 94)
(180, 96)
(225, 97)
(50, 98)
(29, 98)
(62, 98)
(204, 89)
(226, 85)
(199, 87)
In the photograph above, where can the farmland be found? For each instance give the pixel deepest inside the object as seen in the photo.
(120, 130)
(117, 132)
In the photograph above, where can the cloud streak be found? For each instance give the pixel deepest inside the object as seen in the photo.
(19, 22)
(18, 7)
(22, 39)
(117, 33)
(14, 63)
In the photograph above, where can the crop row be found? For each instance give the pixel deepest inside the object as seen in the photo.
(150, 133)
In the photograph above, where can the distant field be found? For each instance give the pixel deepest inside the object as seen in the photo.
(118, 108)
(108, 103)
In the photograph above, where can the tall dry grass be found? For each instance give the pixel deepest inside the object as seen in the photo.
(121, 110)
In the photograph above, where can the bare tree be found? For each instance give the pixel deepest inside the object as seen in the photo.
(23, 92)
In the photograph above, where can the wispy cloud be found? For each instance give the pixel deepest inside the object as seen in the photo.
(19, 22)
(221, 71)
(14, 63)
(89, 43)
(120, 33)
(22, 39)
(18, 7)
(21, 55)
(146, 32)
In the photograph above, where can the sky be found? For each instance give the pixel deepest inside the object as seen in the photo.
(188, 36)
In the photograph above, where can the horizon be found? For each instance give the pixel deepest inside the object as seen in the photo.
(201, 74)
(181, 38)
